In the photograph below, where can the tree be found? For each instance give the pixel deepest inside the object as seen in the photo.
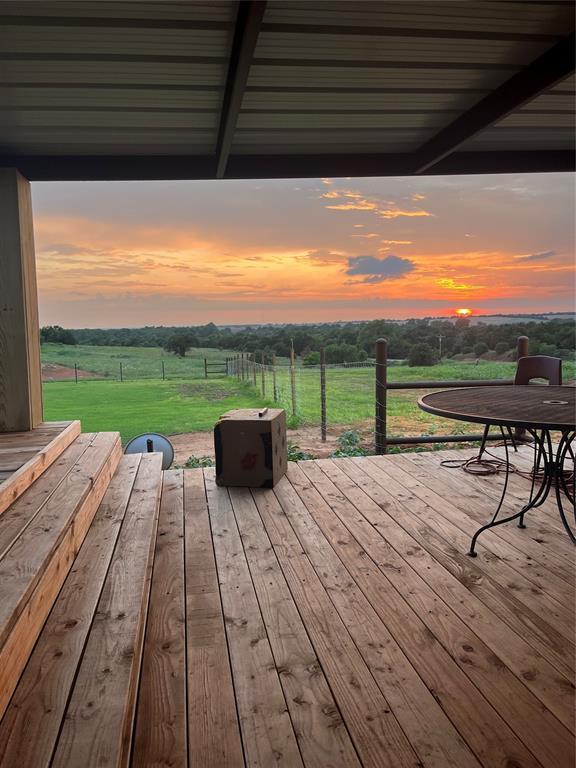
(180, 343)
(421, 354)
(480, 348)
(344, 353)
(501, 348)
(312, 358)
(55, 334)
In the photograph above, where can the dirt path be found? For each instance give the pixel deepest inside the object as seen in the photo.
(56, 372)
(306, 438)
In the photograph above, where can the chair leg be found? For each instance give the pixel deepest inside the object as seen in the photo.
(511, 436)
(484, 438)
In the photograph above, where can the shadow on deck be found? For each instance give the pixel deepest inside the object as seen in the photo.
(156, 619)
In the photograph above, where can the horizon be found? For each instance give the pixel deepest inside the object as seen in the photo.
(303, 251)
(474, 316)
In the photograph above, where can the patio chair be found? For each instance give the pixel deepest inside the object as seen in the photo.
(527, 369)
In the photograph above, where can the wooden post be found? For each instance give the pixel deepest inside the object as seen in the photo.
(163, 372)
(254, 368)
(121, 374)
(76, 372)
(263, 374)
(522, 347)
(205, 368)
(381, 375)
(522, 350)
(242, 366)
(293, 380)
(274, 385)
(20, 369)
(323, 394)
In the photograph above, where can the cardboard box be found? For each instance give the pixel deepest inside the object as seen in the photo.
(251, 448)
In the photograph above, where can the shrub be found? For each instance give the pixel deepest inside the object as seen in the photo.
(295, 453)
(195, 462)
(350, 444)
(312, 358)
(345, 353)
(480, 348)
(421, 354)
(501, 348)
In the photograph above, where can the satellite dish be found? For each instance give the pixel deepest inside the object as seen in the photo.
(152, 442)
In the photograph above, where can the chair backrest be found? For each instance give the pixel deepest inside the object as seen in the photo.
(539, 367)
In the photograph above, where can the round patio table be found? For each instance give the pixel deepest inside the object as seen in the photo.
(540, 410)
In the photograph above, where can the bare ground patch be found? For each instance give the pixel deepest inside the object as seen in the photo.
(57, 372)
(306, 438)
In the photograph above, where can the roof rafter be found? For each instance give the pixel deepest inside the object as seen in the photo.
(248, 23)
(165, 167)
(549, 68)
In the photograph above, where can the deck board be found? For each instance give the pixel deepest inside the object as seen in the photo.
(29, 730)
(24, 456)
(213, 726)
(334, 621)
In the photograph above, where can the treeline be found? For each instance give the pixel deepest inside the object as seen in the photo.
(356, 340)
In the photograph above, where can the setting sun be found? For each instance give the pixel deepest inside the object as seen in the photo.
(463, 312)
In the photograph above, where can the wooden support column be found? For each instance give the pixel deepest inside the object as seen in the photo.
(20, 371)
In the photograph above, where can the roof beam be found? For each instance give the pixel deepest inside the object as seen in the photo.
(248, 23)
(189, 167)
(552, 66)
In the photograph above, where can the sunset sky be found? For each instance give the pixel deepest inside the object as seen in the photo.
(185, 253)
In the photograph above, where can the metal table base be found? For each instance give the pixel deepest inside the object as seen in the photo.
(548, 476)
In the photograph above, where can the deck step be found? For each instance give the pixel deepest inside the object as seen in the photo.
(40, 536)
(25, 456)
(75, 701)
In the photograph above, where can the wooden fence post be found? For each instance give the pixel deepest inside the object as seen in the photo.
(163, 372)
(121, 373)
(522, 347)
(242, 367)
(205, 368)
(76, 372)
(263, 375)
(293, 381)
(381, 375)
(254, 368)
(323, 394)
(274, 386)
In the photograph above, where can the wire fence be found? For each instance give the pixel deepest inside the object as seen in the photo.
(359, 397)
(375, 398)
(167, 369)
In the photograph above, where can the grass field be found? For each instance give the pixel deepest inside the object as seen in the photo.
(133, 407)
(192, 405)
(137, 362)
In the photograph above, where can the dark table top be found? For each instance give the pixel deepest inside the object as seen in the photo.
(538, 407)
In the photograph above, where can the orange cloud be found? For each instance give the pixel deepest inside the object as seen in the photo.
(395, 213)
(452, 285)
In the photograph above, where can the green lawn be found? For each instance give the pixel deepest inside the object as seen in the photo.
(133, 407)
(137, 362)
(190, 405)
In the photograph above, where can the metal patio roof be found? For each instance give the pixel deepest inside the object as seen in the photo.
(297, 88)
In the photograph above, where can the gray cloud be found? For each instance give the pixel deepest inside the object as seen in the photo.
(375, 270)
(536, 256)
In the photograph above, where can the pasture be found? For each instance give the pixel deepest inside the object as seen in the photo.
(137, 362)
(190, 403)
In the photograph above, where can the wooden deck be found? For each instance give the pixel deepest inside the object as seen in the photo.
(25, 455)
(333, 621)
